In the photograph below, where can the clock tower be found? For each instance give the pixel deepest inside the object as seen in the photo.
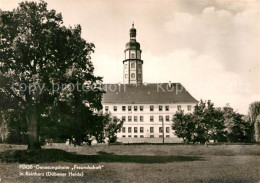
(133, 72)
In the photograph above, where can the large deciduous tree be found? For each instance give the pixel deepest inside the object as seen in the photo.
(208, 122)
(237, 129)
(38, 55)
(183, 126)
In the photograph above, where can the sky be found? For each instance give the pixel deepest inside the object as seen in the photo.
(210, 46)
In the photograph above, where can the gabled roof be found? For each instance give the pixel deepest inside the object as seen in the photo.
(150, 93)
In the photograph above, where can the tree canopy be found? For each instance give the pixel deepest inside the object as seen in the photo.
(208, 123)
(254, 115)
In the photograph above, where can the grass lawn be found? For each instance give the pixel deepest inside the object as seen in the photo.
(136, 163)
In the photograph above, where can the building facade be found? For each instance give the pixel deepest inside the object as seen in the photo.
(146, 108)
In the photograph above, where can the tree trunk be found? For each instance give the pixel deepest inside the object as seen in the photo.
(32, 134)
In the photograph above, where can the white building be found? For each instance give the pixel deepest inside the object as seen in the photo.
(147, 108)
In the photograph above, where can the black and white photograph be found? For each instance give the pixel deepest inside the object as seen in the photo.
(122, 91)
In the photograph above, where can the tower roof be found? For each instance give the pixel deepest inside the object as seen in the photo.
(133, 44)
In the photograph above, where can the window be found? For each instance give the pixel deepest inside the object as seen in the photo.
(129, 108)
(167, 136)
(160, 136)
(151, 108)
(106, 108)
(189, 107)
(135, 136)
(178, 107)
(160, 130)
(129, 129)
(123, 118)
(141, 118)
(129, 136)
(151, 118)
(160, 118)
(129, 118)
(139, 76)
(141, 108)
(151, 130)
(167, 129)
(115, 108)
(151, 136)
(167, 108)
(132, 55)
(132, 65)
(135, 129)
(133, 75)
(123, 130)
(167, 118)
(141, 129)
(141, 136)
(160, 108)
(135, 108)
(135, 118)
(123, 108)
(123, 136)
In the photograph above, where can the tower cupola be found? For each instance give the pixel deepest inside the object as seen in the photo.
(133, 72)
(133, 32)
